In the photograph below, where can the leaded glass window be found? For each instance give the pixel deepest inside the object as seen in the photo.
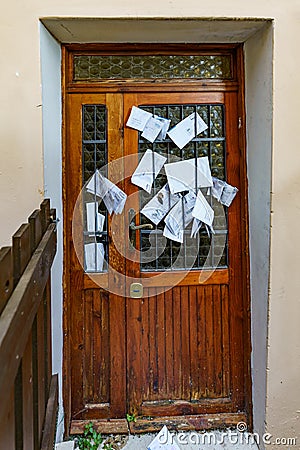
(94, 156)
(211, 251)
(113, 67)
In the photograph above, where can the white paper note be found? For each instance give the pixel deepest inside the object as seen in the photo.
(160, 205)
(94, 257)
(94, 219)
(165, 127)
(202, 210)
(196, 225)
(138, 118)
(187, 129)
(164, 440)
(179, 217)
(182, 175)
(147, 170)
(152, 129)
(113, 197)
(223, 191)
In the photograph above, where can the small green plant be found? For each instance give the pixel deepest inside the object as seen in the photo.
(107, 447)
(91, 439)
(131, 417)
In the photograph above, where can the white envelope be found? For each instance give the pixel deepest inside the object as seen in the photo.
(202, 210)
(138, 118)
(163, 441)
(160, 204)
(94, 257)
(152, 129)
(187, 129)
(181, 175)
(147, 170)
(92, 214)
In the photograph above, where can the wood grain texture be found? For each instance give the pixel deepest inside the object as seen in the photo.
(170, 353)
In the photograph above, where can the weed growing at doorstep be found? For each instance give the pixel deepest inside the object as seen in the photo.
(91, 439)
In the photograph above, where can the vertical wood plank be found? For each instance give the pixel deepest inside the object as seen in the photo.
(194, 344)
(7, 427)
(145, 347)
(18, 397)
(88, 345)
(45, 214)
(28, 438)
(21, 250)
(102, 302)
(6, 276)
(217, 336)
(201, 338)
(117, 313)
(153, 371)
(209, 320)
(41, 369)
(177, 344)
(35, 221)
(225, 342)
(170, 323)
(185, 343)
(161, 345)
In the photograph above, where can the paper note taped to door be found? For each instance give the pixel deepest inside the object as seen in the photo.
(160, 204)
(113, 197)
(223, 191)
(164, 440)
(202, 210)
(184, 175)
(138, 118)
(187, 129)
(147, 170)
(179, 217)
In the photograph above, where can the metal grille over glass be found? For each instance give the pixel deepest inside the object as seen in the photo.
(202, 251)
(93, 67)
(94, 156)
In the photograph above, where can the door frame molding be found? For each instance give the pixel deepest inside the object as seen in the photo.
(69, 87)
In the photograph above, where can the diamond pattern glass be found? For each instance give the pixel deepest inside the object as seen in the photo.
(202, 251)
(91, 67)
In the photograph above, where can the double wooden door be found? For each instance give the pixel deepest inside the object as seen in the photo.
(181, 350)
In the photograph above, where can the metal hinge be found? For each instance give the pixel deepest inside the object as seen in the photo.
(240, 123)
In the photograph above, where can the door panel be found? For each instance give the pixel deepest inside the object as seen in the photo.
(177, 350)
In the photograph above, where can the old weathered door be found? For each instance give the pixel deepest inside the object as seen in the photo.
(181, 350)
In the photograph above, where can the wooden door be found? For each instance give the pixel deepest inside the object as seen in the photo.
(181, 350)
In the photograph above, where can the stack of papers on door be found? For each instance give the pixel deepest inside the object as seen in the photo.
(185, 175)
(147, 170)
(152, 126)
(163, 441)
(179, 217)
(160, 205)
(187, 129)
(113, 197)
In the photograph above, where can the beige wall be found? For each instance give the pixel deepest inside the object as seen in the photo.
(21, 163)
